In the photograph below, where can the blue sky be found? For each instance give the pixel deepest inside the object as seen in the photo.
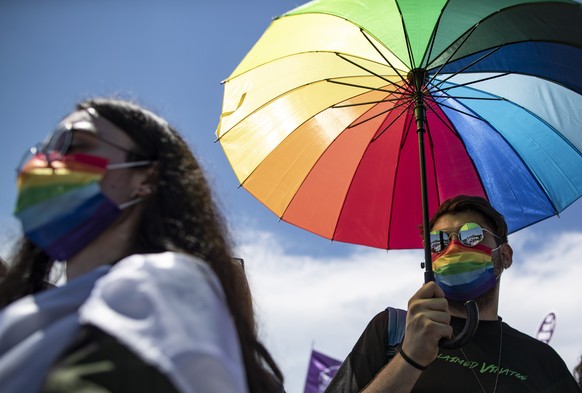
(168, 55)
(171, 55)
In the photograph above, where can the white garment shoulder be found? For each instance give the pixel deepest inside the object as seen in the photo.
(170, 310)
(36, 329)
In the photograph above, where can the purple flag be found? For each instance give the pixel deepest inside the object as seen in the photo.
(321, 370)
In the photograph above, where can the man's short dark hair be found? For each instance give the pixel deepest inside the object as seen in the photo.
(474, 204)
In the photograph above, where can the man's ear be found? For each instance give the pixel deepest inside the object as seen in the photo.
(506, 255)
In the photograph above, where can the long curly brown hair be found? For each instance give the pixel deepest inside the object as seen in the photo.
(181, 216)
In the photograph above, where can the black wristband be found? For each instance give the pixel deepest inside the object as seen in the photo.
(410, 361)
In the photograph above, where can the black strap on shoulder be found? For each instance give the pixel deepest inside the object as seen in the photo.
(394, 331)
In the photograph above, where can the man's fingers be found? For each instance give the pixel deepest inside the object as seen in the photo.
(429, 290)
(427, 322)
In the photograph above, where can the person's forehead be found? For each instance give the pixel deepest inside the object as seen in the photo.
(455, 220)
(81, 120)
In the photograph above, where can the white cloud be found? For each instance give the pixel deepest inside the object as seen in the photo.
(546, 277)
(327, 302)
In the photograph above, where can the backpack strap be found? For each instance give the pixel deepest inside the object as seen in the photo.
(395, 330)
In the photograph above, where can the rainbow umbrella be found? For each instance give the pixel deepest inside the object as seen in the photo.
(319, 121)
(355, 119)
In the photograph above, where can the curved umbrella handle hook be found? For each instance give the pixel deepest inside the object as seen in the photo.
(468, 330)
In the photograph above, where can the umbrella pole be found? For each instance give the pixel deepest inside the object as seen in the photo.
(418, 77)
(428, 273)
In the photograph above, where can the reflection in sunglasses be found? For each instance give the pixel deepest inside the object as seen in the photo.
(470, 234)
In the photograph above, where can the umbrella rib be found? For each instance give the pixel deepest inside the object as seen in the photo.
(454, 131)
(454, 53)
(471, 82)
(406, 38)
(382, 54)
(365, 69)
(393, 121)
(361, 86)
(431, 142)
(440, 100)
(466, 67)
(445, 96)
(476, 98)
(343, 204)
(511, 146)
(472, 114)
(433, 35)
(458, 136)
(365, 103)
(380, 114)
(396, 175)
(461, 112)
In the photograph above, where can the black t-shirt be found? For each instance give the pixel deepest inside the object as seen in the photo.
(527, 365)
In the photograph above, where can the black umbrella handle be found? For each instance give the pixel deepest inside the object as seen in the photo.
(471, 324)
(468, 330)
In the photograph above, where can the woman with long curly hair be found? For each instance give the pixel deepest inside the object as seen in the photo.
(154, 301)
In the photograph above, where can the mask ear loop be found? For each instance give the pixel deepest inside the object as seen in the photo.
(131, 164)
(502, 267)
(127, 204)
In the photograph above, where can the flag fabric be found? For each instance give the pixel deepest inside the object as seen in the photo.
(321, 370)
(546, 329)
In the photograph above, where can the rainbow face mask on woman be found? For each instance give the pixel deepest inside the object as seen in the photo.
(464, 273)
(61, 205)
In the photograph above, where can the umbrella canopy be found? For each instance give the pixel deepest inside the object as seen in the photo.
(319, 120)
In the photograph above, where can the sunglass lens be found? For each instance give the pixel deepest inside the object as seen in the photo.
(26, 157)
(471, 234)
(438, 241)
(58, 142)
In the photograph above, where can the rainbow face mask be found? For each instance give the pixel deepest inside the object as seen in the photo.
(464, 273)
(61, 205)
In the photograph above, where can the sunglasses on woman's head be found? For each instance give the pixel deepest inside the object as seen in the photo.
(470, 234)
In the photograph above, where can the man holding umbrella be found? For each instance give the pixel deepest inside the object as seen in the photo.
(333, 139)
(469, 253)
